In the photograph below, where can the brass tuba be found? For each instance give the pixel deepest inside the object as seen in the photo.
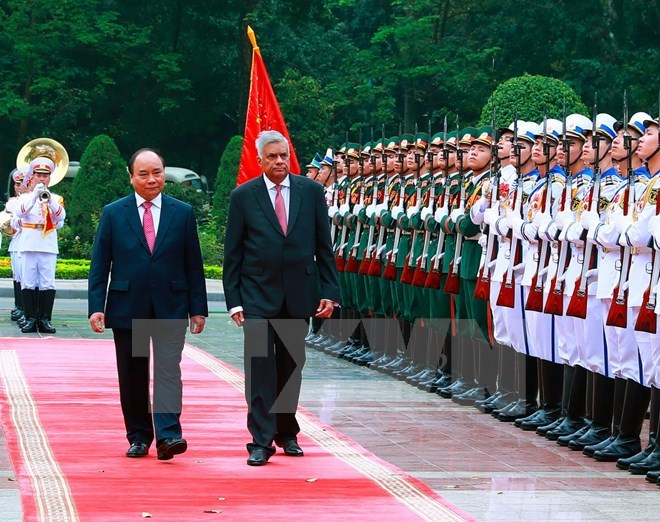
(49, 148)
(5, 224)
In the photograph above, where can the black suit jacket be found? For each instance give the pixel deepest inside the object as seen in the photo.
(166, 284)
(263, 268)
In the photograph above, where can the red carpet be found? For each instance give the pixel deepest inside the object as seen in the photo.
(60, 411)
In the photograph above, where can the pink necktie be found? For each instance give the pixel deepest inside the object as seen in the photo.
(148, 225)
(280, 211)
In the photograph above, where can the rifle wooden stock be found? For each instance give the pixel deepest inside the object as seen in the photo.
(647, 320)
(618, 314)
(507, 295)
(390, 268)
(577, 306)
(375, 266)
(365, 263)
(535, 298)
(452, 284)
(339, 261)
(408, 272)
(482, 288)
(351, 265)
(421, 274)
(554, 304)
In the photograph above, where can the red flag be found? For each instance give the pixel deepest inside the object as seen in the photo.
(263, 113)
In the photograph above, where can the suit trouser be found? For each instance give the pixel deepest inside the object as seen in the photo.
(274, 350)
(132, 351)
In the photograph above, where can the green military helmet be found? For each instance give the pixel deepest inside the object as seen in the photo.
(377, 146)
(353, 150)
(422, 141)
(392, 144)
(484, 136)
(367, 149)
(467, 135)
(451, 139)
(342, 150)
(438, 139)
(407, 142)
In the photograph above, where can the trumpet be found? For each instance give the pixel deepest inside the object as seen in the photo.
(5, 224)
(44, 195)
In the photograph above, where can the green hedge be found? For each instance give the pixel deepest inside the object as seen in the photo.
(79, 269)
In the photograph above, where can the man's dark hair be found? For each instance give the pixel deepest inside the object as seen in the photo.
(138, 152)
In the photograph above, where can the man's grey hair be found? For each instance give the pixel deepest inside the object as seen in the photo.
(269, 136)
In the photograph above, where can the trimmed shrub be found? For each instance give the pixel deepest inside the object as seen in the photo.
(225, 180)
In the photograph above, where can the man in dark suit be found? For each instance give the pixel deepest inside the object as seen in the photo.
(147, 244)
(277, 255)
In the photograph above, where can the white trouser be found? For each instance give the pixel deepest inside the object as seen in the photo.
(38, 270)
(540, 328)
(622, 352)
(648, 347)
(590, 337)
(500, 316)
(566, 342)
(16, 259)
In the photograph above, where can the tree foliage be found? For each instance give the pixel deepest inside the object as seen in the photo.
(101, 179)
(226, 180)
(531, 98)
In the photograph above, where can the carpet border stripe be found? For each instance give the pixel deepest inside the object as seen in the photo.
(52, 494)
(426, 507)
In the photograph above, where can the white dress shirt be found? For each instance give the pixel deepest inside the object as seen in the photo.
(155, 209)
(285, 192)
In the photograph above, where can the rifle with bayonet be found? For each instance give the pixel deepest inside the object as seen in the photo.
(482, 286)
(554, 303)
(618, 313)
(433, 279)
(335, 198)
(535, 298)
(352, 263)
(390, 267)
(340, 260)
(366, 256)
(409, 265)
(577, 306)
(419, 279)
(376, 265)
(452, 285)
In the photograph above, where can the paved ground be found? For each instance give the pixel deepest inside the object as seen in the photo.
(490, 469)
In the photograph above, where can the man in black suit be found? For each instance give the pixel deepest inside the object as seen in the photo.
(147, 244)
(277, 255)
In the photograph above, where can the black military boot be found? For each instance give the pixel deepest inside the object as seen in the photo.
(31, 307)
(552, 376)
(528, 387)
(602, 410)
(567, 383)
(575, 407)
(17, 312)
(627, 442)
(506, 382)
(654, 420)
(617, 412)
(46, 301)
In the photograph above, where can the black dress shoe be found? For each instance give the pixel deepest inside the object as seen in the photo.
(542, 430)
(650, 463)
(620, 448)
(595, 435)
(653, 476)
(567, 428)
(545, 417)
(138, 449)
(625, 463)
(258, 457)
(44, 326)
(170, 447)
(291, 448)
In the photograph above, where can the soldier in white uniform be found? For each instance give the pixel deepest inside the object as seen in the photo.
(40, 212)
(14, 254)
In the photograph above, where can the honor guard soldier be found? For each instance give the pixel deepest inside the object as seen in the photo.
(13, 229)
(41, 213)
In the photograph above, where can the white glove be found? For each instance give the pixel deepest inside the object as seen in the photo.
(371, 210)
(491, 215)
(542, 219)
(412, 211)
(590, 219)
(455, 214)
(515, 223)
(426, 214)
(564, 218)
(333, 211)
(53, 205)
(357, 208)
(440, 212)
(380, 208)
(622, 223)
(344, 209)
(654, 224)
(397, 212)
(482, 204)
(502, 226)
(483, 240)
(15, 223)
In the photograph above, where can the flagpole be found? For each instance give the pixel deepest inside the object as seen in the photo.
(253, 39)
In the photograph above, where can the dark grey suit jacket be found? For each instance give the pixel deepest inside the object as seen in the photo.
(263, 268)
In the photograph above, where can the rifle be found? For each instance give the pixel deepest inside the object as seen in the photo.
(647, 320)
(452, 284)
(335, 197)
(376, 265)
(366, 256)
(433, 278)
(618, 314)
(507, 295)
(577, 306)
(419, 279)
(554, 304)
(482, 287)
(408, 272)
(535, 297)
(390, 267)
(339, 254)
(352, 263)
